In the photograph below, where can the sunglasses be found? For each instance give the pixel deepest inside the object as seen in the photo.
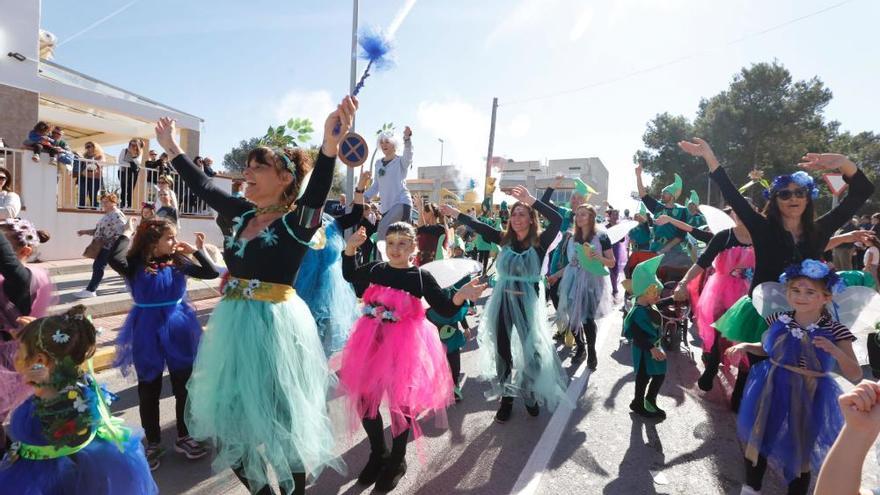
(3, 177)
(787, 194)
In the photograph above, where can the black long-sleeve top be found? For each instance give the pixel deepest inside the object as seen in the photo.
(16, 278)
(725, 239)
(701, 235)
(417, 282)
(351, 218)
(493, 235)
(775, 247)
(276, 253)
(128, 267)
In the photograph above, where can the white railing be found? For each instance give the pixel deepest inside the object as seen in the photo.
(80, 184)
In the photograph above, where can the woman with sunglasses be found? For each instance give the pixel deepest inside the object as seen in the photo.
(786, 232)
(129, 169)
(10, 203)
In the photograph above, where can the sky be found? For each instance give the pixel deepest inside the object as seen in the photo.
(574, 78)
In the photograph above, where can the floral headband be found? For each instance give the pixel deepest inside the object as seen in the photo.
(24, 231)
(800, 178)
(814, 270)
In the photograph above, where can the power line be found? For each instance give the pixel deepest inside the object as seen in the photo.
(98, 22)
(678, 60)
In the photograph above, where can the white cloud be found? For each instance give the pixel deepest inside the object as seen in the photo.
(465, 131)
(297, 103)
(581, 23)
(527, 13)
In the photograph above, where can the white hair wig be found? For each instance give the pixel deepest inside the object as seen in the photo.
(388, 136)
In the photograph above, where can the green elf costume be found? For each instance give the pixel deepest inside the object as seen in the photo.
(640, 237)
(696, 220)
(668, 239)
(642, 326)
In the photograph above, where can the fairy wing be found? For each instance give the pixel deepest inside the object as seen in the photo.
(858, 308)
(619, 231)
(769, 298)
(545, 265)
(449, 271)
(716, 219)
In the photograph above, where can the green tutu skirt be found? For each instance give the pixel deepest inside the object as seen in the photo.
(742, 322)
(259, 391)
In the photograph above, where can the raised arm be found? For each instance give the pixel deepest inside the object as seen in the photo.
(639, 184)
(204, 269)
(860, 188)
(406, 159)
(439, 299)
(552, 216)
(489, 233)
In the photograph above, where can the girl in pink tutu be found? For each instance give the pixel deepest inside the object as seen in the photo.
(394, 354)
(25, 291)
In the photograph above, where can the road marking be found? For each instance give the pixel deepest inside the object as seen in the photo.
(530, 477)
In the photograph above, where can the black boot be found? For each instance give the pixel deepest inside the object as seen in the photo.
(390, 475)
(370, 472)
(590, 334)
(504, 410)
(534, 409)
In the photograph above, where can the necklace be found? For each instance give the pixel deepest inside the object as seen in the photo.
(277, 208)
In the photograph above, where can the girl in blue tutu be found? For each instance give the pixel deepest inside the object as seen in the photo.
(789, 415)
(319, 282)
(66, 441)
(162, 328)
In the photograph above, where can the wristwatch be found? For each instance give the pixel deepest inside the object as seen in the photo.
(359, 191)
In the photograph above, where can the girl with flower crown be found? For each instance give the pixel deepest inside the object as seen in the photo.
(789, 415)
(785, 232)
(66, 441)
(394, 354)
(25, 291)
(162, 328)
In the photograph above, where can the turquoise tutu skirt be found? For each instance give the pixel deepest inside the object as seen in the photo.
(259, 390)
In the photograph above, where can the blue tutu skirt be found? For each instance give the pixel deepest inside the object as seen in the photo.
(161, 329)
(329, 297)
(98, 469)
(259, 390)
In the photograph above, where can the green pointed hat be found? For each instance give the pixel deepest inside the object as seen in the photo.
(583, 188)
(643, 210)
(694, 198)
(645, 275)
(675, 188)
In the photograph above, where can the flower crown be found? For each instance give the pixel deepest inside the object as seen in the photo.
(814, 270)
(23, 230)
(800, 178)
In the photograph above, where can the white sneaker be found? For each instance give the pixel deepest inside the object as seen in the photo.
(85, 294)
(747, 490)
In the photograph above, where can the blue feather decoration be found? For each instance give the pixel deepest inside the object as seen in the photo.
(376, 50)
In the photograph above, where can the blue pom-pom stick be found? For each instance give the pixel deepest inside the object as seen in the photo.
(375, 49)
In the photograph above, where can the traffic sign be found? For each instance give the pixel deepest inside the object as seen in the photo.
(353, 150)
(835, 183)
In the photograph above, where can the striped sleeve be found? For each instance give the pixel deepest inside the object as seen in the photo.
(840, 332)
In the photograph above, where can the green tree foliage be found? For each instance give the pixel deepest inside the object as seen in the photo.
(764, 120)
(235, 161)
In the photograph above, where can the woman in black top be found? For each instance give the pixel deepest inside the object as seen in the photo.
(527, 367)
(245, 393)
(431, 229)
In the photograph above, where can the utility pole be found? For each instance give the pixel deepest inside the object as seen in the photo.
(491, 146)
(349, 173)
(441, 151)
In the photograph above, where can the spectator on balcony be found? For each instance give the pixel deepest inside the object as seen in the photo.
(166, 183)
(148, 210)
(152, 166)
(167, 210)
(89, 175)
(10, 203)
(107, 231)
(39, 140)
(129, 168)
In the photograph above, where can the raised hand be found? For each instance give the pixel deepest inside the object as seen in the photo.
(449, 211)
(364, 180)
(343, 117)
(521, 194)
(355, 241)
(165, 130)
(558, 182)
(824, 161)
(200, 240)
(407, 132)
(639, 168)
(701, 149)
(472, 291)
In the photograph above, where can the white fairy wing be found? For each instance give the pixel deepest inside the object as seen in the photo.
(380, 246)
(451, 270)
(769, 298)
(619, 231)
(545, 265)
(716, 219)
(858, 308)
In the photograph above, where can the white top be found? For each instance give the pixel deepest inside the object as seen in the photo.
(10, 205)
(125, 158)
(389, 180)
(872, 256)
(111, 226)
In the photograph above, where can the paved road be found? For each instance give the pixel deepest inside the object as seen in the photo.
(596, 446)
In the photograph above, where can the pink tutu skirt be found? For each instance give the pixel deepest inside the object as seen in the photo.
(394, 356)
(729, 282)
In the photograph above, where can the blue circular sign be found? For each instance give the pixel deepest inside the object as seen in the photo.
(353, 150)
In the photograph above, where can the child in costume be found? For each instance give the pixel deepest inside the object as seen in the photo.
(162, 328)
(394, 354)
(517, 352)
(585, 289)
(668, 239)
(25, 291)
(695, 218)
(789, 415)
(452, 336)
(390, 184)
(642, 326)
(66, 441)
(320, 283)
(432, 235)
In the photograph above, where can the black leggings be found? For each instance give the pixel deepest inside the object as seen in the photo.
(483, 257)
(299, 480)
(454, 359)
(587, 337)
(504, 366)
(755, 475)
(376, 435)
(148, 396)
(642, 379)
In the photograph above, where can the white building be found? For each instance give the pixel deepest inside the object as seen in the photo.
(537, 177)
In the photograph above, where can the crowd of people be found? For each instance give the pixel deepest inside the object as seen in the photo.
(304, 287)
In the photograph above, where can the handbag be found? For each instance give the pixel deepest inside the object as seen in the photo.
(93, 249)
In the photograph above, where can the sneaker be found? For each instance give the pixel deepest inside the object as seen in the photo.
(390, 476)
(85, 294)
(655, 411)
(533, 409)
(153, 452)
(370, 472)
(457, 392)
(638, 407)
(35, 158)
(504, 411)
(190, 448)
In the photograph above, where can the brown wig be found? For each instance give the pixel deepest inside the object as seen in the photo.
(7, 186)
(808, 221)
(79, 345)
(144, 241)
(580, 235)
(300, 163)
(531, 240)
(111, 197)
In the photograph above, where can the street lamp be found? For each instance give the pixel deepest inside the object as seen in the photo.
(441, 151)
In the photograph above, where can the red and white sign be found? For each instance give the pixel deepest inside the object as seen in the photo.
(835, 183)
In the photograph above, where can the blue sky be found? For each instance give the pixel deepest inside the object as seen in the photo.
(245, 65)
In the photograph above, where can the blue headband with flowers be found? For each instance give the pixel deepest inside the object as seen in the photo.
(800, 178)
(814, 270)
